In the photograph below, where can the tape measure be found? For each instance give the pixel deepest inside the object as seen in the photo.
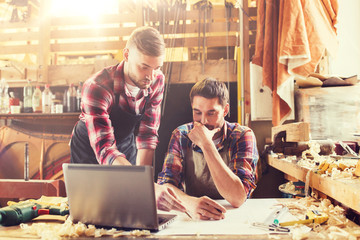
(312, 216)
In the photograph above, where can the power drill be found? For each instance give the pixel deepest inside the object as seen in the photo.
(26, 211)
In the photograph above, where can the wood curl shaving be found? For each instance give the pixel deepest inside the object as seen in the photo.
(336, 227)
(69, 229)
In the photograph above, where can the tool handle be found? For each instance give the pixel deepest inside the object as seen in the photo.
(296, 222)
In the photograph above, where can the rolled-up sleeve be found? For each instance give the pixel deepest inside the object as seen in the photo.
(96, 104)
(172, 171)
(244, 157)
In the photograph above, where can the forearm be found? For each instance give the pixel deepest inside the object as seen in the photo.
(145, 157)
(121, 161)
(227, 183)
(181, 195)
(203, 208)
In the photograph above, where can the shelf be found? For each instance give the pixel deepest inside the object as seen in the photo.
(346, 191)
(40, 123)
(38, 116)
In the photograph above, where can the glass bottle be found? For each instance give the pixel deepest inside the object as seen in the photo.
(78, 97)
(71, 98)
(46, 99)
(4, 96)
(28, 92)
(36, 100)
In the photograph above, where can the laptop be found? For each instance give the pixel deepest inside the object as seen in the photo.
(113, 196)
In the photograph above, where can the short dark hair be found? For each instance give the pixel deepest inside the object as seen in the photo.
(148, 41)
(210, 88)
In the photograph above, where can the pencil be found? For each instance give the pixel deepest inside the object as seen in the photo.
(187, 213)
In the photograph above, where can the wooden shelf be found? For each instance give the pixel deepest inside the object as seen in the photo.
(38, 116)
(346, 191)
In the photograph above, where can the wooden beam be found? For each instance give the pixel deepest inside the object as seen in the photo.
(101, 46)
(104, 19)
(182, 72)
(21, 49)
(19, 36)
(66, 74)
(295, 132)
(246, 64)
(43, 58)
(16, 188)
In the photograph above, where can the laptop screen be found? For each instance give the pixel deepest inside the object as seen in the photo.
(111, 196)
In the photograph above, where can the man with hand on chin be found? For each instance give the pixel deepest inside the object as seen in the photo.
(210, 158)
(121, 108)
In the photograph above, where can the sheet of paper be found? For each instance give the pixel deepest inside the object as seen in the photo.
(237, 220)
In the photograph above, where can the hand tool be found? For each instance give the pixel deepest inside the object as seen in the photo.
(26, 211)
(312, 216)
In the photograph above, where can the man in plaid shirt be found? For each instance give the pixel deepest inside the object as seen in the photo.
(210, 158)
(121, 110)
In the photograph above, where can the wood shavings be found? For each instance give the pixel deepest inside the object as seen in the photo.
(290, 188)
(337, 226)
(298, 234)
(69, 229)
(336, 233)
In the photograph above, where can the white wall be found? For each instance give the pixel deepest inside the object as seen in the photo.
(347, 61)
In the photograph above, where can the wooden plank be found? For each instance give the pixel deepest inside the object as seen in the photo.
(83, 20)
(19, 36)
(288, 167)
(346, 191)
(90, 33)
(16, 188)
(102, 46)
(66, 74)
(181, 72)
(184, 72)
(211, 41)
(43, 56)
(252, 11)
(102, 32)
(246, 65)
(19, 49)
(212, 27)
(295, 132)
(216, 13)
(24, 25)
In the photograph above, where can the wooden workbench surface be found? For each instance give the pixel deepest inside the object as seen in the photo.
(49, 223)
(346, 191)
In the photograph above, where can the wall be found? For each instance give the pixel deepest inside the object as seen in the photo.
(347, 61)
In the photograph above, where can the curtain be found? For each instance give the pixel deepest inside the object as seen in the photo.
(291, 38)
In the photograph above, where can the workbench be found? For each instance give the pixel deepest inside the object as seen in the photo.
(236, 225)
(345, 191)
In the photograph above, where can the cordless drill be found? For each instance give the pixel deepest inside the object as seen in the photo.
(26, 211)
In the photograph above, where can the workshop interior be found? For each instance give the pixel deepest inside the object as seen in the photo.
(291, 67)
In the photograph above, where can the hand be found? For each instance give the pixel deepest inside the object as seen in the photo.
(200, 135)
(167, 200)
(121, 161)
(205, 208)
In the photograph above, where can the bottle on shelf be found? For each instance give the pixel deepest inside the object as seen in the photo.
(71, 99)
(65, 101)
(4, 96)
(78, 97)
(14, 103)
(28, 92)
(36, 100)
(46, 99)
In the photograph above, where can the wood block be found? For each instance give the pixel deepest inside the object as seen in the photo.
(17, 188)
(295, 132)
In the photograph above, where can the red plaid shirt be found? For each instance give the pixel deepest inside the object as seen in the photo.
(97, 99)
